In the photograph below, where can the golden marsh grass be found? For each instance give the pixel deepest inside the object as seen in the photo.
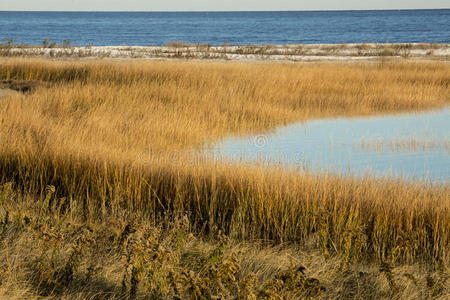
(49, 252)
(86, 132)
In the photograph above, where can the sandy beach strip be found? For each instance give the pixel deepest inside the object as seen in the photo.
(303, 52)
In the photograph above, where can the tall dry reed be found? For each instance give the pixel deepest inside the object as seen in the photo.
(114, 135)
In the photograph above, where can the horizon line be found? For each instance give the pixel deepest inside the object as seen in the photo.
(225, 11)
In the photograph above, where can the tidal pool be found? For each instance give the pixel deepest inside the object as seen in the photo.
(411, 146)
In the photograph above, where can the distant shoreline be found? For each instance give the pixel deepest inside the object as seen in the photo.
(222, 11)
(294, 52)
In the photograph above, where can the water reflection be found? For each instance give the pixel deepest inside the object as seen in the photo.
(415, 145)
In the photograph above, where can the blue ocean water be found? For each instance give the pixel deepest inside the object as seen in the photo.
(237, 28)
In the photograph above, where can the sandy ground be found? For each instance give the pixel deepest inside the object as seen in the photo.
(322, 52)
(7, 92)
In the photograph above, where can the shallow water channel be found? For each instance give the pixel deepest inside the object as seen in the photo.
(412, 146)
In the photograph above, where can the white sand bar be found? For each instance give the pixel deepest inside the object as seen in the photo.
(306, 52)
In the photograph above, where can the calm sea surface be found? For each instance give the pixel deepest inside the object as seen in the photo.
(158, 28)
